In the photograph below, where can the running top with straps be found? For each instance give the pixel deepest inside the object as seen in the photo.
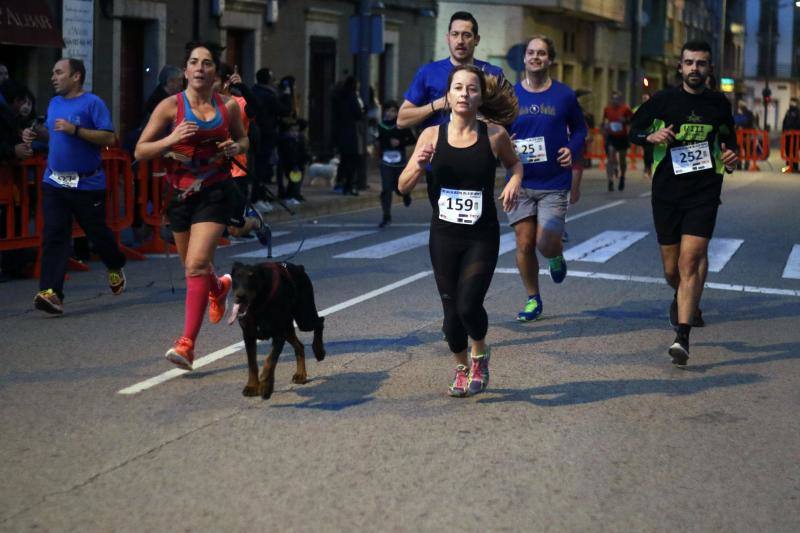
(205, 162)
(462, 189)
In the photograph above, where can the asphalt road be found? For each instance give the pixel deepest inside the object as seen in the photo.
(586, 425)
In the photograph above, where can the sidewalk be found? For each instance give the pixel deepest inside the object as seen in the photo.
(321, 199)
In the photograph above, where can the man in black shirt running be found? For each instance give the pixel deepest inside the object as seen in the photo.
(694, 142)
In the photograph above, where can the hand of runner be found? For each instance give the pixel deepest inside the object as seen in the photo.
(662, 136)
(23, 150)
(235, 78)
(509, 194)
(230, 148)
(574, 195)
(65, 126)
(729, 158)
(425, 155)
(440, 104)
(564, 157)
(183, 131)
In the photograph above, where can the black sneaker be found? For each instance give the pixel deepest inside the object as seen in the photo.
(673, 313)
(610, 186)
(679, 351)
(697, 321)
(385, 222)
(621, 183)
(406, 200)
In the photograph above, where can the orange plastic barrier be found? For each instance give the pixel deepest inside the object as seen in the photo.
(152, 201)
(595, 148)
(790, 147)
(21, 182)
(635, 153)
(753, 147)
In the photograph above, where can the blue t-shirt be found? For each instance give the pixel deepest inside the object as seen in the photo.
(552, 117)
(69, 153)
(430, 83)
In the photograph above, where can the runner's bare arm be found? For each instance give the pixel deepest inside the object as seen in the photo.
(241, 143)
(503, 148)
(150, 145)
(411, 115)
(98, 137)
(415, 168)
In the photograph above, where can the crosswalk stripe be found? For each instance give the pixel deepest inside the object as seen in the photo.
(508, 242)
(792, 269)
(309, 244)
(385, 249)
(720, 252)
(604, 246)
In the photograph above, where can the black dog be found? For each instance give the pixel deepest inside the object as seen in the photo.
(268, 298)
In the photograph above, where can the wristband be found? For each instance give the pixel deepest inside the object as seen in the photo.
(433, 109)
(77, 129)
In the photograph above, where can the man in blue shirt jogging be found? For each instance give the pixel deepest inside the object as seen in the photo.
(78, 125)
(549, 135)
(425, 103)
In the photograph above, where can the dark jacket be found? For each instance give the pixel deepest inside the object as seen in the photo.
(9, 134)
(791, 121)
(270, 112)
(347, 112)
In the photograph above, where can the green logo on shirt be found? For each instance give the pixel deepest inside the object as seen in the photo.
(694, 132)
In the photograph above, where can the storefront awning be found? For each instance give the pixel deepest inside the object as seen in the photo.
(28, 23)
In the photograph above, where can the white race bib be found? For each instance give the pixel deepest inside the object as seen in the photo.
(68, 180)
(691, 158)
(460, 207)
(615, 127)
(531, 150)
(392, 157)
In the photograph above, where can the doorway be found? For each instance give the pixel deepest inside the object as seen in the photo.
(131, 81)
(322, 77)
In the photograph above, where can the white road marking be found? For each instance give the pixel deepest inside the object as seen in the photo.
(792, 269)
(368, 225)
(646, 194)
(604, 246)
(720, 252)
(233, 348)
(508, 242)
(309, 244)
(275, 234)
(570, 218)
(388, 248)
(660, 281)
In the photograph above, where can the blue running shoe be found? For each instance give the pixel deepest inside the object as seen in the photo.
(532, 309)
(558, 268)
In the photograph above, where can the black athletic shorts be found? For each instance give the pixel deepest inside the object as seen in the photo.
(673, 221)
(221, 203)
(619, 143)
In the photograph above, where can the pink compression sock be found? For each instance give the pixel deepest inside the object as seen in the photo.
(197, 288)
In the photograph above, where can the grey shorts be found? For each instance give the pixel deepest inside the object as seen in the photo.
(549, 208)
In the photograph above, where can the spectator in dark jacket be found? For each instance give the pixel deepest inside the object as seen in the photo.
(170, 81)
(292, 158)
(271, 110)
(791, 122)
(348, 109)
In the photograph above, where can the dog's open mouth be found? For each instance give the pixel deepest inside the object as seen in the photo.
(238, 311)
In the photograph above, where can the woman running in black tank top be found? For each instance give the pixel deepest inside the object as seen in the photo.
(465, 233)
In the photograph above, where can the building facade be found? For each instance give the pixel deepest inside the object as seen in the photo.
(127, 42)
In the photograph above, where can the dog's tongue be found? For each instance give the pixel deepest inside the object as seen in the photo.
(234, 314)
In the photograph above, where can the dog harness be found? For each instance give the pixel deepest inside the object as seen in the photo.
(196, 162)
(278, 270)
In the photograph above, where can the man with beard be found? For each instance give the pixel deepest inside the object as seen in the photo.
(691, 128)
(425, 101)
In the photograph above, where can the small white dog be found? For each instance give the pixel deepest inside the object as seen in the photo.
(318, 172)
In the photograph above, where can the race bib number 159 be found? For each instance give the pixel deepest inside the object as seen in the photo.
(460, 207)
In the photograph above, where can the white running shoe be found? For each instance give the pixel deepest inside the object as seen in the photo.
(262, 206)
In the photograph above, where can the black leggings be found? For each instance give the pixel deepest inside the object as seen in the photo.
(463, 268)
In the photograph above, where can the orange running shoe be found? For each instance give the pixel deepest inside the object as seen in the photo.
(216, 304)
(182, 354)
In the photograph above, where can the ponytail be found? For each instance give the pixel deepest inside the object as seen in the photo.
(499, 101)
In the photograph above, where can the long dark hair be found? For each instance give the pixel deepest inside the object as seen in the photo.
(499, 101)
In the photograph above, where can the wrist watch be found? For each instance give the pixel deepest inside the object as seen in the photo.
(75, 133)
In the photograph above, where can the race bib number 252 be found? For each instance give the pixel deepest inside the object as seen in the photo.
(691, 158)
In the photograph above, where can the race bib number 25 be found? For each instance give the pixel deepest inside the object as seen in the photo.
(531, 150)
